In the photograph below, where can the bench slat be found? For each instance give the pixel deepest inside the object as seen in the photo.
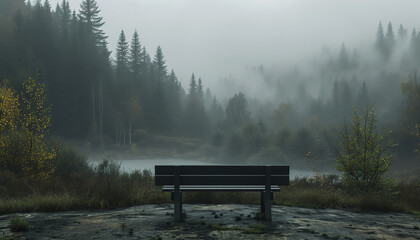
(220, 170)
(221, 180)
(230, 188)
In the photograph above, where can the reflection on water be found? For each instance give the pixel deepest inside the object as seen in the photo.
(131, 165)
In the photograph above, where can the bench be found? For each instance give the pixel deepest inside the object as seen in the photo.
(198, 178)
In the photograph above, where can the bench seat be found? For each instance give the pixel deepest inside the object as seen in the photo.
(216, 188)
(222, 178)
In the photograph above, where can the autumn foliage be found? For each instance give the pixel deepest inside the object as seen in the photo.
(24, 123)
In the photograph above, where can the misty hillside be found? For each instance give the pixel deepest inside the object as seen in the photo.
(127, 98)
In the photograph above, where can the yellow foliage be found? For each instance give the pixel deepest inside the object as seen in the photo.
(23, 146)
(9, 108)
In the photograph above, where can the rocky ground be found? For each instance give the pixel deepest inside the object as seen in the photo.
(227, 221)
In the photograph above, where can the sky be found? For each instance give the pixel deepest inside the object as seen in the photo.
(220, 38)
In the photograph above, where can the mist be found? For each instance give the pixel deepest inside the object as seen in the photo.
(217, 39)
(320, 97)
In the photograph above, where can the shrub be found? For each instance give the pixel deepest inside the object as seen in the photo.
(70, 165)
(362, 158)
(19, 225)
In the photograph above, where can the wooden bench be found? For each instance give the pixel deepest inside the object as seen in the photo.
(187, 178)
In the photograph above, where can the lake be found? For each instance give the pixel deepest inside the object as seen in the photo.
(131, 165)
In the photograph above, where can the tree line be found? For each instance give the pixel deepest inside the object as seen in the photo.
(94, 93)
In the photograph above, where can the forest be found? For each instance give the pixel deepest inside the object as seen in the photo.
(125, 97)
(68, 87)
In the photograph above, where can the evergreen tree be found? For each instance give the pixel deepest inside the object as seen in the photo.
(390, 39)
(89, 14)
(135, 55)
(47, 6)
(145, 61)
(174, 99)
(237, 113)
(216, 113)
(65, 18)
(57, 13)
(193, 87)
(196, 120)
(200, 93)
(159, 65)
(208, 98)
(363, 97)
(122, 57)
(380, 36)
(380, 39)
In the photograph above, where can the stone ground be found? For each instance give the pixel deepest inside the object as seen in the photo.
(227, 221)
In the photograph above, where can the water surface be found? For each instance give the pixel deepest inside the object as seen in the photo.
(149, 164)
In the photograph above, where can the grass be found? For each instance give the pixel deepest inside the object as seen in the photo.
(415, 213)
(320, 194)
(19, 225)
(40, 203)
(107, 186)
(124, 193)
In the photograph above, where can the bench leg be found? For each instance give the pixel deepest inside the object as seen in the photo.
(178, 206)
(262, 202)
(267, 205)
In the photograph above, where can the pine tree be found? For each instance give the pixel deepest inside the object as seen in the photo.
(216, 113)
(89, 14)
(174, 98)
(135, 55)
(380, 39)
(47, 7)
(200, 93)
(65, 19)
(196, 120)
(363, 97)
(193, 87)
(390, 39)
(208, 98)
(122, 57)
(159, 65)
(58, 13)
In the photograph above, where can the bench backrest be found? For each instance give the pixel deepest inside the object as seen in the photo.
(221, 175)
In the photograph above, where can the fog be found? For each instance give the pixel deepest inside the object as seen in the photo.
(95, 93)
(218, 39)
(273, 80)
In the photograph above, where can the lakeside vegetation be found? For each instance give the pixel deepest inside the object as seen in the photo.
(134, 106)
(107, 187)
